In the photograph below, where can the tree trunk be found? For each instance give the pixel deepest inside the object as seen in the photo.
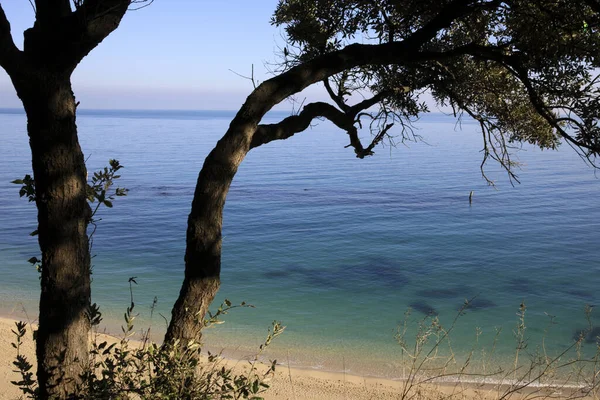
(63, 215)
(203, 241)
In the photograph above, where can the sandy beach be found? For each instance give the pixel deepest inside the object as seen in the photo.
(294, 383)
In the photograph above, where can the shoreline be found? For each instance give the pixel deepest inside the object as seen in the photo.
(287, 383)
(293, 382)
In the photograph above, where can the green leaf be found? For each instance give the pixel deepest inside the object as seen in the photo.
(108, 203)
(17, 181)
(34, 233)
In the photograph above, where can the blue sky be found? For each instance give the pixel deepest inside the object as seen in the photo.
(174, 54)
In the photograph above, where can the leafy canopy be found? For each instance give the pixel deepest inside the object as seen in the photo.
(524, 69)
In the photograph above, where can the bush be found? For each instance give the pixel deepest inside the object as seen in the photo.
(127, 369)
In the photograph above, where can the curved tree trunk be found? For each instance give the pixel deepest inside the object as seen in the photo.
(63, 215)
(203, 241)
(203, 250)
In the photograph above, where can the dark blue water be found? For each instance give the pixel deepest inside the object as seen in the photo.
(335, 247)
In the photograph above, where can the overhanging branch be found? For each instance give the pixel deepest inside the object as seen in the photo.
(367, 103)
(293, 124)
(540, 106)
(512, 63)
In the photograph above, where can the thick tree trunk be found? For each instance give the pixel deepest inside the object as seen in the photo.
(63, 215)
(60, 38)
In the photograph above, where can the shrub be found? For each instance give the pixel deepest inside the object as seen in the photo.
(144, 370)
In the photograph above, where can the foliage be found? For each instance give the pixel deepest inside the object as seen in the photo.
(127, 369)
(525, 70)
(98, 191)
(27, 188)
(23, 366)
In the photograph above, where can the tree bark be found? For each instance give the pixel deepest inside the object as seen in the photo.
(203, 241)
(63, 215)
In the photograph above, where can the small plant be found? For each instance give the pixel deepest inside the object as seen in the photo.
(429, 358)
(27, 383)
(98, 190)
(98, 193)
(27, 187)
(144, 370)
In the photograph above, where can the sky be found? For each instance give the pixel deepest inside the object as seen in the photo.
(174, 54)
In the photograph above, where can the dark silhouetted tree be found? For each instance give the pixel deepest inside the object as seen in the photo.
(524, 69)
(64, 32)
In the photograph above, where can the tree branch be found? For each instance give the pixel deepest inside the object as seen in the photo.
(363, 105)
(337, 98)
(278, 88)
(512, 63)
(291, 125)
(9, 53)
(99, 18)
(60, 37)
(540, 106)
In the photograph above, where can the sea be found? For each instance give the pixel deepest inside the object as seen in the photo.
(348, 254)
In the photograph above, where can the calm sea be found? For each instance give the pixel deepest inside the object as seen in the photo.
(335, 247)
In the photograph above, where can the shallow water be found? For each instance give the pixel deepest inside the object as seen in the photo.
(335, 247)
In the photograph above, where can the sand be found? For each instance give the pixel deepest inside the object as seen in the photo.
(288, 383)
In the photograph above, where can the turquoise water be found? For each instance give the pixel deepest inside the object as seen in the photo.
(335, 247)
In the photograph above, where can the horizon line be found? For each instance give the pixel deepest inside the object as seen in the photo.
(21, 110)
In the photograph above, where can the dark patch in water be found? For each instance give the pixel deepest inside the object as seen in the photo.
(381, 272)
(523, 286)
(278, 274)
(589, 336)
(480, 303)
(423, 308)
(446, 293)
(349, 277)
(580, 293)
(167, 190)
(323, 278)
